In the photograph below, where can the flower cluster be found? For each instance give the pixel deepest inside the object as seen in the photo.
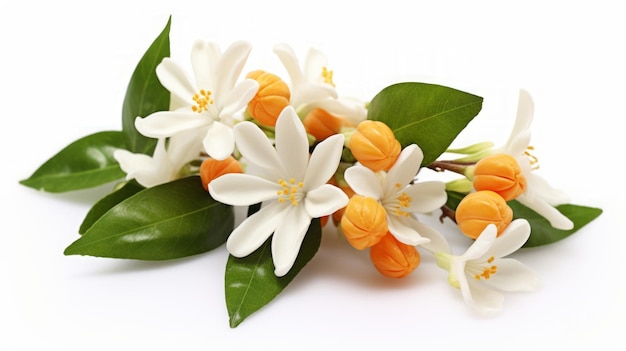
(296, 154)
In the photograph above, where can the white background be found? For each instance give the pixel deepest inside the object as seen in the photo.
(64, 68)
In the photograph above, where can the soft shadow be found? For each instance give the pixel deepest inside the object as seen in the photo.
(125, 266)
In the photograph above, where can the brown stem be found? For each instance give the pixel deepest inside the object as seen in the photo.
(447, 212)
(453, 166)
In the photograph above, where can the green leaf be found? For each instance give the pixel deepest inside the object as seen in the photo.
(251, 283)
(172, 220)
(428, 115)
(145, 94)
(542, 232)
(103, 205)
(85, 163)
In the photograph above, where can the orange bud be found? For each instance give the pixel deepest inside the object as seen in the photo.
(271, 98)
(364, 222)
(481, 208)
(211, 169)
(374, 145)
(394, 259)
(322, 124)
(501, 174)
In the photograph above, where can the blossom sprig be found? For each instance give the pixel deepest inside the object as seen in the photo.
(296, 153)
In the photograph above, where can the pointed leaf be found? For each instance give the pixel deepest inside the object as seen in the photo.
(103, 205)
(145, 94)
(428, 115)
(542, 232)
(85, 163)
(172, 220)
(251, 283)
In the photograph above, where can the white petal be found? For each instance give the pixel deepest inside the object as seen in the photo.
(540, 187)
(311, 93)
(438, 242)
(287, 56)
(324, 200)
(219, 142)
(314, 61)
(323, 162)
(482, 244)
(242, 189)
(401, 228)
(353, 111)
(556, 218)
(404, 170)
(204, 61)
(185, 146)
(256, 148)
(174, 79)
(131, 162)
(236, 99)
(511, 239)
(481, 298)
(292, 145)
(512, 275)
(230, 65)
(426, 196)
(288, 238)
(364, 182)
(525, 112)
(255, 230)
(165, 124)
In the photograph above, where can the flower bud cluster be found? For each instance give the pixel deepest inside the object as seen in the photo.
(497, 179)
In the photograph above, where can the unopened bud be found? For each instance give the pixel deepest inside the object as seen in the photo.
(211, 169)
(374, 145)
(364, 222)
(271, 98)
(481, 208)
(501, 174)
(394, 259)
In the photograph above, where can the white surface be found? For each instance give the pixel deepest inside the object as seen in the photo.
(64, 69)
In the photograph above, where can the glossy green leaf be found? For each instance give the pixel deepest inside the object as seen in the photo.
(251, 283)
(145, 94)
(172, 220)
(542, 233)
(85, 163)
(103, 205)
(428, 115)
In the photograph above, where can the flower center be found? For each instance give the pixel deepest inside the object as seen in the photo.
(402, 201)
(327, 75)
(534, 161)
(291, 191)
(203, 100)
(484, 271)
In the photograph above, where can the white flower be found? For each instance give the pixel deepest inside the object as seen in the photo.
(164, 165)
(292, 187)
(481, 271)
(401, 197)
(312, 86)
(539, 195)
(208, 105)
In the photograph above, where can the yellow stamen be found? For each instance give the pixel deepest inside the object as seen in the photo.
(328, 76)
(487, 271)
(203, 100)
(290, 191)
(534, 161)
(404, 200)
